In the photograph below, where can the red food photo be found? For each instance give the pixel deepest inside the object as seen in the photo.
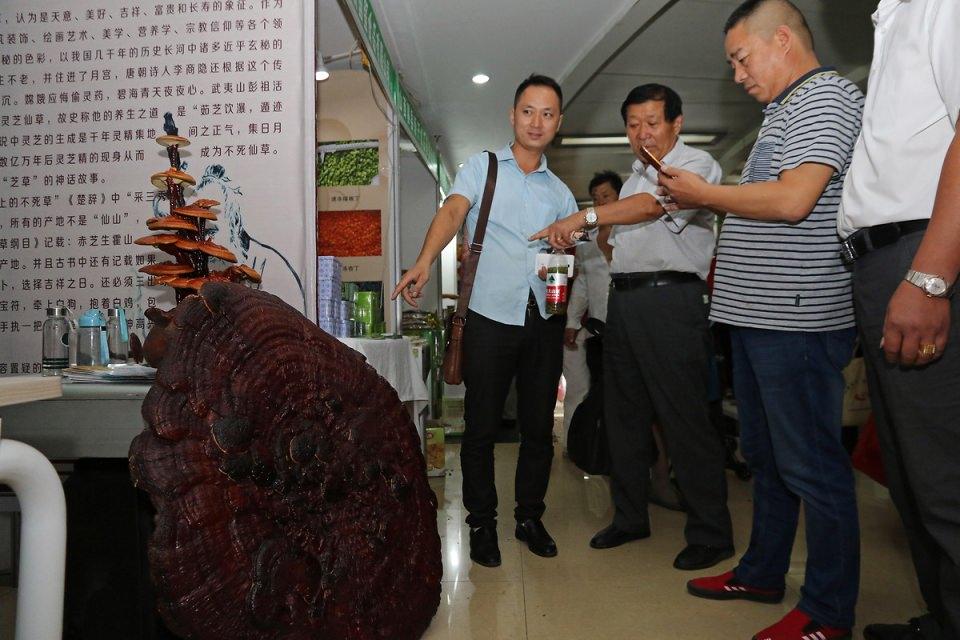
(348, 234)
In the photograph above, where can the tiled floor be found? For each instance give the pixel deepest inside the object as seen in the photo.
(631, 592)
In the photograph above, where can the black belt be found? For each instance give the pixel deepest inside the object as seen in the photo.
(627, 281)
(866, 240)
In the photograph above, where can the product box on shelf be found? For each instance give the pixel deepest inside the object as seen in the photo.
(328, 290)
(328, 267)
(328, 308)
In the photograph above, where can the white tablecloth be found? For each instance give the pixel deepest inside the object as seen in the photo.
(395, 361)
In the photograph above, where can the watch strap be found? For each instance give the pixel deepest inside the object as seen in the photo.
(919, 279)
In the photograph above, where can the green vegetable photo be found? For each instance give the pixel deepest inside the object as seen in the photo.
(348, 163)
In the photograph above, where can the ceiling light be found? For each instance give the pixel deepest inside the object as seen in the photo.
(321, 73)
(481, 78)
(594, 141)
(699, 139)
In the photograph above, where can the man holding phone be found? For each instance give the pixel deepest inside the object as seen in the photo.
(781, 287)
(657, 345)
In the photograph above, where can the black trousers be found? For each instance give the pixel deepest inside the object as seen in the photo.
(494, 353)
(917, 411)
(657, 349)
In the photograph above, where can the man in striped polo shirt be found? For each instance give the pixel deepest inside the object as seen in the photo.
(783, 289)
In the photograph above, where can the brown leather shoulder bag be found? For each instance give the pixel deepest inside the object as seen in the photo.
(453, 353)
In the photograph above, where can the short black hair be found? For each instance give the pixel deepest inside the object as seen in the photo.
(606, 176)
(672, 105)
(748, 8)
(537, 80)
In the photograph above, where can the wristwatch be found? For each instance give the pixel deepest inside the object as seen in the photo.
(590, 218)
(932, 285)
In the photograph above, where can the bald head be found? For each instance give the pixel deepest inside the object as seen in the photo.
(763, 17)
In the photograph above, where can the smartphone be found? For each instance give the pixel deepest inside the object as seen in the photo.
(651, 159)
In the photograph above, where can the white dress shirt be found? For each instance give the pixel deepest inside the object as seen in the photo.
(910, 116)
(678, 241)
(590, 287)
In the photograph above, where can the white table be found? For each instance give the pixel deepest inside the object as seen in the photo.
(43, 509)
(99, 420)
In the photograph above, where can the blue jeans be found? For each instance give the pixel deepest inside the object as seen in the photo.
(789, 388)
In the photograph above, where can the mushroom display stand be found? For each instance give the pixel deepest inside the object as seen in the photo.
(183, 231)
(291, 494)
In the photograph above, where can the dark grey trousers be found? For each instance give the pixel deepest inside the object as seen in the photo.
(656, 353)
(917, 411)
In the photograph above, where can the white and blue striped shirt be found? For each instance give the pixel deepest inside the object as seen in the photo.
(789, 276)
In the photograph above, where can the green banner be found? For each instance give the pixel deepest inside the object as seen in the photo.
(366, 21)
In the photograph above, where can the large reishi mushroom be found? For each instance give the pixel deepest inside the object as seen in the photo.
(291, 494)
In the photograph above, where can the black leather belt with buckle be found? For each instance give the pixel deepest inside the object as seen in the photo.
(865, 240)
(627, 281)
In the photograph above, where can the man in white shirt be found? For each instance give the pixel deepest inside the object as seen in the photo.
(657, 344)
(900, 216)
(588, 295)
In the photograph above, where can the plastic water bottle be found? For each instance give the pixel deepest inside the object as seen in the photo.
(91, 339)
(56, 336)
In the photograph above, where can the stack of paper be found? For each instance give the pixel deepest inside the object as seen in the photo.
(111, 373)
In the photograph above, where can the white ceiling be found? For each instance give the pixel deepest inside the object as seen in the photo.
(598, 50)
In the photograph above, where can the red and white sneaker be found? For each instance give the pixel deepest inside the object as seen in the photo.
(797, 625)
(726, 587)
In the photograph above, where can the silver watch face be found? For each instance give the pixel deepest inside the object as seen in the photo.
(935, 286)
(591, 217)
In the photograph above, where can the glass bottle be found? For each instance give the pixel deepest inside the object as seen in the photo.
(557, 274)
(118, 340)
(73, 339)
(56, 336)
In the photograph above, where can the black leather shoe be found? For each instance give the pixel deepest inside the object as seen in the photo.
(535, 535)
(613, 536)
(483, 546)
(701, 556)
(913, 630)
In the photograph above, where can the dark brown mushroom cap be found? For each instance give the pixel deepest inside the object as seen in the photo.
(172, 223)
(169, 141)
(195, 212)
(157, 239)
(290, 492)
(159, 180)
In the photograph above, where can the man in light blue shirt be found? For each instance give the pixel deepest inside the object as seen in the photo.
(508, 333)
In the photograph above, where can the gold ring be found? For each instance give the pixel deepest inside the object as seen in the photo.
(927, 350)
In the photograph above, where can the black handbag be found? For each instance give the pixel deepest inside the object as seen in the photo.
(587, 437)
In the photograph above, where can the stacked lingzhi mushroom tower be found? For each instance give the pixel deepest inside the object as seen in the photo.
(183, 233)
